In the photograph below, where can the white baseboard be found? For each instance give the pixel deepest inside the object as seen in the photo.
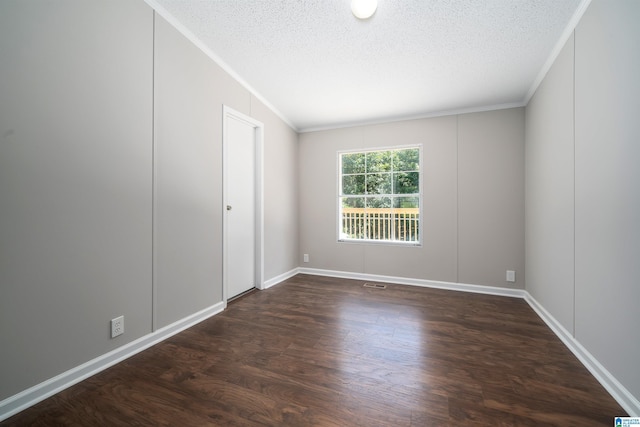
(619, 392)
(29, 397)
(462, 287)
(628, 402)
(280, 278)
(39, 392)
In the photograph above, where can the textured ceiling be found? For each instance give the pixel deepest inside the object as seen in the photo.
(319, 67)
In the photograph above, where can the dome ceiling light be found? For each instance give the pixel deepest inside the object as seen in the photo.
(364, 9)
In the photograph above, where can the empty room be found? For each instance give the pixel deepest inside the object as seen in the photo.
(319, 213)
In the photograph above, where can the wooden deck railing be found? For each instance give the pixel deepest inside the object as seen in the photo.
(400, 224)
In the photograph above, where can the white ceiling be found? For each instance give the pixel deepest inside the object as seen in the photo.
(319, 67)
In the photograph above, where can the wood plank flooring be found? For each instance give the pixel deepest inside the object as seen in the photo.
(318, 351)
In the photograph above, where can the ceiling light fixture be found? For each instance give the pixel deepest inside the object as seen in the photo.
(364, 9)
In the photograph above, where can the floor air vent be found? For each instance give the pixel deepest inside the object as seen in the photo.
(374, 286)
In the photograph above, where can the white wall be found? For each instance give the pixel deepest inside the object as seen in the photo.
(111, 182)
(608, 187)
(596, 176)
(550, 191)
(190, 90)
(75, 183)
(281, 189)
(491, 197)
(473, 175)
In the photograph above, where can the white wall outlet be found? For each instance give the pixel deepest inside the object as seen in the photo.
(117, 326)
(306, 257)
(511, 276)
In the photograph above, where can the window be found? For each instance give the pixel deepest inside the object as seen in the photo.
(379, 196)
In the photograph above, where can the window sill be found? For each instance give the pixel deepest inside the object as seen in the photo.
(381, 242)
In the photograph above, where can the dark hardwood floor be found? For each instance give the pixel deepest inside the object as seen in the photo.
(318, 351)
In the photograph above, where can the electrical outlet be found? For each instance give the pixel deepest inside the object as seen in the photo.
(117, 326)
(511, 276)
(306, 257)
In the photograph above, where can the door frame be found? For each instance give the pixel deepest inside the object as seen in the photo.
(231, 114)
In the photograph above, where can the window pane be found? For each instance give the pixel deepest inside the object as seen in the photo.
(379, 183)
(406, 160)
(352, 202)
(406, 182)
(406, 202)
(379, 161)
(352, 218)
(353, 184)
(378, 203)
(380, 195)
(407, 219)
(353, 163)
(379, 220)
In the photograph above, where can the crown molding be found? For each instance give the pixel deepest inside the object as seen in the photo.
(160, 10)
(427, 115)
(568, 31)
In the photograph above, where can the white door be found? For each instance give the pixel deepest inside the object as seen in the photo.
(243, 177)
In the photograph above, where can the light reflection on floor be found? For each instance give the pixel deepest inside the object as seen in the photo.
(385, 345)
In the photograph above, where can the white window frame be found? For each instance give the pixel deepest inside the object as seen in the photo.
(339, 195)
